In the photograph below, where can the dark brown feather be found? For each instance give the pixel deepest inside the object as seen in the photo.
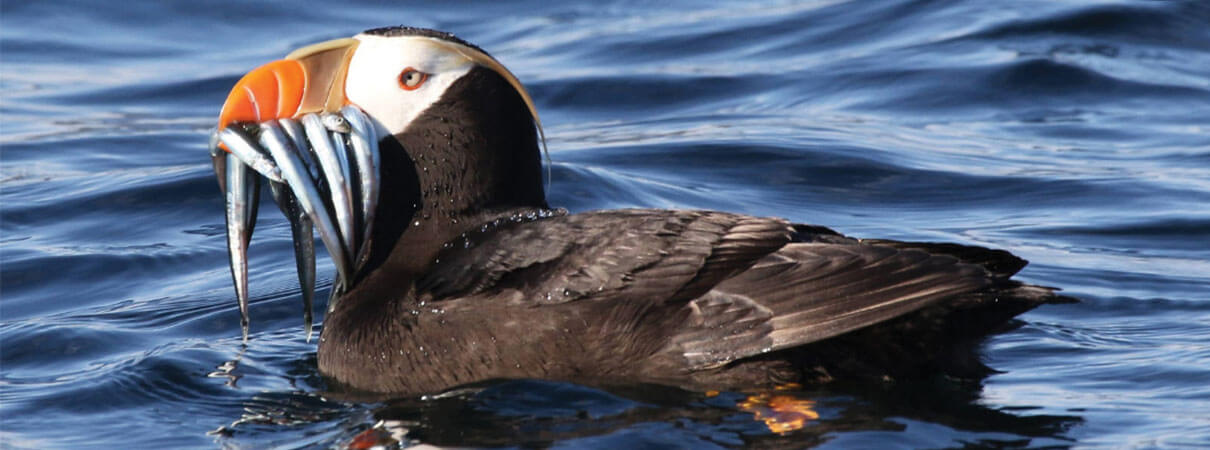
(654, 255)
(693, 298)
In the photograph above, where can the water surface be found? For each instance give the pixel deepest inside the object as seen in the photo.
(1074, 134)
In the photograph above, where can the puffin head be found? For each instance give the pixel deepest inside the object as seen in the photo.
(393, 74)
(458, 134)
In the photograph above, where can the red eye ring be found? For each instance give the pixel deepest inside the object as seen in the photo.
(410, 79)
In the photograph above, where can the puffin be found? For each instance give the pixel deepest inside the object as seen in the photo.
(464, 274)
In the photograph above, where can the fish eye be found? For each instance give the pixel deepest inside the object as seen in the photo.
(411, 78)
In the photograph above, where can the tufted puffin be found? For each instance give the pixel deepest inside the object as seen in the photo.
(453, 269)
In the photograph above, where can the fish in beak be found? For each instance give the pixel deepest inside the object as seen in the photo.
(290, 122)
(311, 125)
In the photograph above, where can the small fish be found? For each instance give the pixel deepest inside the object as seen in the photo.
(311, 162)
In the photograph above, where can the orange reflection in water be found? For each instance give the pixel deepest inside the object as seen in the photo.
(781, 413)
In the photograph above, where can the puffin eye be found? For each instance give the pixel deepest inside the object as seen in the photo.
(411, 78)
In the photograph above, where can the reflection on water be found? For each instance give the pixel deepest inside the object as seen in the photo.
(782, 413)
(540, 413)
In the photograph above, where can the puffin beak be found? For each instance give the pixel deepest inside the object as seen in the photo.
(310, 79)
(314, 168)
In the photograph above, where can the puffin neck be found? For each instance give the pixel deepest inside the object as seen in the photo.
(466, 160)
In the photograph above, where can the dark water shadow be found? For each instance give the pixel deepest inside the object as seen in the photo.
(539, 414)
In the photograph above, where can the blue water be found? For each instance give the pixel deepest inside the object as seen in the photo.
(1074, 134)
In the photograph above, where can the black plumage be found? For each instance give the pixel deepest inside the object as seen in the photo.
(473, 277)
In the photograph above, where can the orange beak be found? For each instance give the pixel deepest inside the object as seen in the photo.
(308, 80)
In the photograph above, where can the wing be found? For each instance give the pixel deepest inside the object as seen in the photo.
(735, 286)
(655, 256)
(826, 285)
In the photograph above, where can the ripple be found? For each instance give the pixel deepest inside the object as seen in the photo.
(1030, 82)
(1175, 234)
(1173, 24)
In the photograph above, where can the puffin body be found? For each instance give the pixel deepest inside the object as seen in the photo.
(460, 272)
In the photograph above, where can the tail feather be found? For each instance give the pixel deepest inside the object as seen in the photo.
(999, 262)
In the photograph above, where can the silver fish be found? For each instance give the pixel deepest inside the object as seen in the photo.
(302, 231)
(292, 170)
(242, 189)
(336, 174)
(323, 173)
(364, 143)
(240, 144)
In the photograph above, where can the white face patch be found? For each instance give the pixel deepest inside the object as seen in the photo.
(373, 77)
